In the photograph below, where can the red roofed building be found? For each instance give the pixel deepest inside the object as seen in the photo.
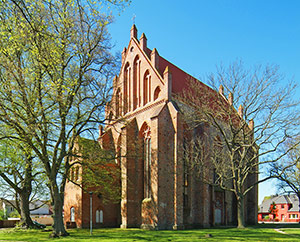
(287, 209)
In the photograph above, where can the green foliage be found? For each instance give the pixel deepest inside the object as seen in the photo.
(266, 198)
(56, 75)
(2, 214)
(14, 214)
(273, 210)
(100, 173)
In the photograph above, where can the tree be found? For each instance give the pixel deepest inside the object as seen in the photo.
(20, 175)
(287, 171)
(99, 171)
(273, 210)
(55, 71)
(235, 143)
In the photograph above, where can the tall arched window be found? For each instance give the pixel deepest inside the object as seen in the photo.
(147, 87)
(118, 102)
(99, 216)
(126, 85)
(146, 134)
(136, 81)
(72, 214)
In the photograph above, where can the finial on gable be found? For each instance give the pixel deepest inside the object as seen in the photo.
(133, 32)
(221, 89)
(143, 42)
(230, 98)
(168, 82)
(241, 110)
(251, 124)
(100, 130)
(166, 70)
(155, 58)
(124, 54)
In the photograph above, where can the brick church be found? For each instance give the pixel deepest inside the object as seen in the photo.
(145, 128)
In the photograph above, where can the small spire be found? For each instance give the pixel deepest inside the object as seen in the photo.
(133, 32)
(241, 111)
(251, 124)
(221, 89)
(154, 51)
(100, 130)
(230, 98)
(143, 36)
(124, 53)
(143, 42)
(155, 58)
(166, 70)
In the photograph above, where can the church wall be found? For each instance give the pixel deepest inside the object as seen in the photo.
(73, 198)
(166, 152)
(111, 211)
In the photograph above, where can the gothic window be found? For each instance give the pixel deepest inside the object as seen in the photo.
(76, 176)
(118, 102)
(72, 173)
(147, 87)
(148, 166)
(97, 216)
(156, 93)
(118, 153)
(126, 85)
(146, 134)
(110, 117)
(72, 214)
(101, 216)
(136, 81)
(185, 173)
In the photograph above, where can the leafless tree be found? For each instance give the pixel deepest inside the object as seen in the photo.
(244, 126)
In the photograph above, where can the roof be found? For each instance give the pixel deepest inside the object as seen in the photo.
(281, 199)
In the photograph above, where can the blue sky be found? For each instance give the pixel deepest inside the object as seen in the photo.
(197, 35)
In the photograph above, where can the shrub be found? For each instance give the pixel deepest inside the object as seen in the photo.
(2, 215)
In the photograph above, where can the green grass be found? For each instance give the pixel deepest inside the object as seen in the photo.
(258, 233)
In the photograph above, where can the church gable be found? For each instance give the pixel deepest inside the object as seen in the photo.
(140, 82)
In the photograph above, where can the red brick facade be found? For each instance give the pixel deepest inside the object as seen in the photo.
(147, 128)
(285, 209)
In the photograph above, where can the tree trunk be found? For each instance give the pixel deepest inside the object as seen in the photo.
(240, 212)
(25, 211)
(58, 200)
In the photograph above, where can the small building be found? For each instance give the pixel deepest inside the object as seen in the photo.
(8, 206)
(286, 209)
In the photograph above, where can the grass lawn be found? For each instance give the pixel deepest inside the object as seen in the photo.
(258, 233)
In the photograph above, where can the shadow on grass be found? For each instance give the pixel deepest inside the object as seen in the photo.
(256, 233)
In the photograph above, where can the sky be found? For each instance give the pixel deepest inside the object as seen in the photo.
(197, 35)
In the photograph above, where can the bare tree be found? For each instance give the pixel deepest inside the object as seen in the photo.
(243, 133)
(287, 171)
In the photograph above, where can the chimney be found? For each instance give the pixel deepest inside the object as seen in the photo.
(143, 42)
(241, 111)
(155, 58)
(230, 98)
(133, 32)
